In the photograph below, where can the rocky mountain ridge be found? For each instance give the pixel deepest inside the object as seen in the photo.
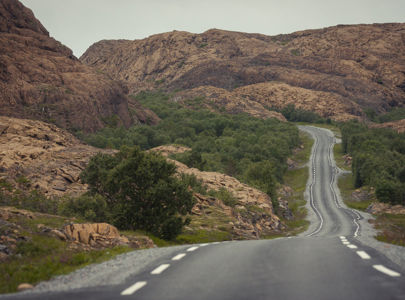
(41, 79)
(339, 70)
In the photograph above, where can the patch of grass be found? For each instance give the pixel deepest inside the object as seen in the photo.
(303, 155)
(158, 241)
(225, 196)
(204, 236)
(44, 257)
(345, 184)
(392, 229)
(297, 180)
(338, 155)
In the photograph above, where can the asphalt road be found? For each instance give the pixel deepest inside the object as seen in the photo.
(326, 262)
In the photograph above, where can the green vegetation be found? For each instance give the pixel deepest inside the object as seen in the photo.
(38, 256)
(297, 179)
(253, 150)
(338, 155)
(293, 114)
(45, 257)
(378, 160)
(345, 184)
(393, 115)
(140, 191)
(392, 229)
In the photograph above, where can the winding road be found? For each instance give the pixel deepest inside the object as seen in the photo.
(328, 261)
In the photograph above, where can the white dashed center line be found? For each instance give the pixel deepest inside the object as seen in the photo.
(346, 243)
(352, 246)
(363, 254)
(192, 248)
(133, 288)
(179, 256)
(160, 269)
(203, 245)
(386, 271)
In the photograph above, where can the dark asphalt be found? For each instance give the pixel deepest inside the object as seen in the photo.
(317, 265)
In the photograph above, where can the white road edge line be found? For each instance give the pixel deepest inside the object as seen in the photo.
(386, 271)
(352, 246)
(363, 254)
(192, 249)
(133, 288)
(179, 256)
(342, 237)
(160, 269)
(203, 245)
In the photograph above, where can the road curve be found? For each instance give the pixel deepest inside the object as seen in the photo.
(326, 262)
(333, 218)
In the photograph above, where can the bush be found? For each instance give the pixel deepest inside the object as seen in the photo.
(89, 207)
(378, 160)
(140, 191)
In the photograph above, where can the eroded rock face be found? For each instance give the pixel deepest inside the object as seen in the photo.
(246, 223)
(95, 234)
(224, 100)
(350, 67)
(49, 157)
(41, 79)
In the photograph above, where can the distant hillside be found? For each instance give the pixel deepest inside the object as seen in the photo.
(41, 79)
(336, 71)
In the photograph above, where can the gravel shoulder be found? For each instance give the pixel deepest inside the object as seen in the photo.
(113, 272)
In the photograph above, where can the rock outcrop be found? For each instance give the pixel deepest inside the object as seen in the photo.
(251, 217)
(47, 157)
(41, 79)
(96, 235)
(378, 208)
(398, 126)
(337, 70)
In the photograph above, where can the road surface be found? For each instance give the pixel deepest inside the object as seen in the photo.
(329, 261)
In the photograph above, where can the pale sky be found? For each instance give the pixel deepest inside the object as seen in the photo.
(80, 23)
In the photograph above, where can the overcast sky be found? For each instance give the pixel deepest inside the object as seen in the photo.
(80, 23)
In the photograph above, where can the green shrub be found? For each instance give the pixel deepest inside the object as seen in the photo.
(140, 190)
(378, 160)
(89, 207)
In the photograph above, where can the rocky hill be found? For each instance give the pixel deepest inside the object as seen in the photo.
(336, 71)
(251, 216)
(41, 79)
(42, 156)
(35, 155)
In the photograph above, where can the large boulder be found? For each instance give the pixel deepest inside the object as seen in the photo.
(95, 235)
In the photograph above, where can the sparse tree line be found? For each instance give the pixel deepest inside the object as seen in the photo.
(378, 160)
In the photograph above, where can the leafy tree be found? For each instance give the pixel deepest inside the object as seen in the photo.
(140, 191)
(378, 160)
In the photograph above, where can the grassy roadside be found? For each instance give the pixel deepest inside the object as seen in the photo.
(391, 227)
(338, 155)
(38, 256)
(297, 179)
